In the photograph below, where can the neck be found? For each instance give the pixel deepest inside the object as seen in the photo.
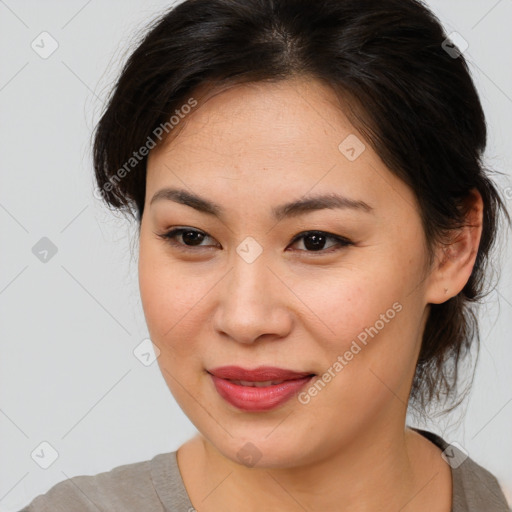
(377, 470)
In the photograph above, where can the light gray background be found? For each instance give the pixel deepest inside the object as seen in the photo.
(68, 375)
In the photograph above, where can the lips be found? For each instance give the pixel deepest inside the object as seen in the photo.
(253, 384)
(260, 389)
(260, 374)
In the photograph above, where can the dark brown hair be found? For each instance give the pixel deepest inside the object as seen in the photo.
(409, 94)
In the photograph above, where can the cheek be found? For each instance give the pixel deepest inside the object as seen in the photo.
(363, 324)
(340, 307)
(170, 299)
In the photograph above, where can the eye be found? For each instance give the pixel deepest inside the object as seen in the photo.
(314, 241)
(190, 236)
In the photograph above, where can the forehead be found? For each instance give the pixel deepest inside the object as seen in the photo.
(281, 137)
(292, 117)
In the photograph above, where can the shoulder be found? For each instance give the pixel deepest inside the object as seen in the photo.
(126, 487)
(474, 487)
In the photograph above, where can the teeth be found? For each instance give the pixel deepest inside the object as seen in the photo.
(257, 384)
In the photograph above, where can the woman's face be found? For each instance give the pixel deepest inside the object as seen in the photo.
(244, 289)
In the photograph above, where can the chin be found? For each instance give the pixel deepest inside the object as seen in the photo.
(259, 450)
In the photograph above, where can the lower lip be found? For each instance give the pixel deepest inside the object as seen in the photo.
(250, 398)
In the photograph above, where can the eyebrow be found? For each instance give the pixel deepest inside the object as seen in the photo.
(291, 209)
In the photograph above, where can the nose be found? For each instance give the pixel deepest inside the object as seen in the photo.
(253, 303)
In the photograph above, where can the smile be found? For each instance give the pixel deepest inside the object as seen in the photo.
(258, 395)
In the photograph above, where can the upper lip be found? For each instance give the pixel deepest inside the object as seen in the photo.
(260, 374)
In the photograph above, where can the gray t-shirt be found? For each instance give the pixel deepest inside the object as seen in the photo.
(156, 486)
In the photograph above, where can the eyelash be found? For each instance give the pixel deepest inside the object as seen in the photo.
(169, 236)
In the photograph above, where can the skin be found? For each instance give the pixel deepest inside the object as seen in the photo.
(249, 148)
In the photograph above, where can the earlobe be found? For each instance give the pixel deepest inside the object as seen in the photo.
(455, 260)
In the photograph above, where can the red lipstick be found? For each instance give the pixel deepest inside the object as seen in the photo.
(259, 389)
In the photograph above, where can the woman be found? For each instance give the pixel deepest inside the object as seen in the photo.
(314, 222)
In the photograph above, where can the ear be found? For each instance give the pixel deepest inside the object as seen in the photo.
(455, 259)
